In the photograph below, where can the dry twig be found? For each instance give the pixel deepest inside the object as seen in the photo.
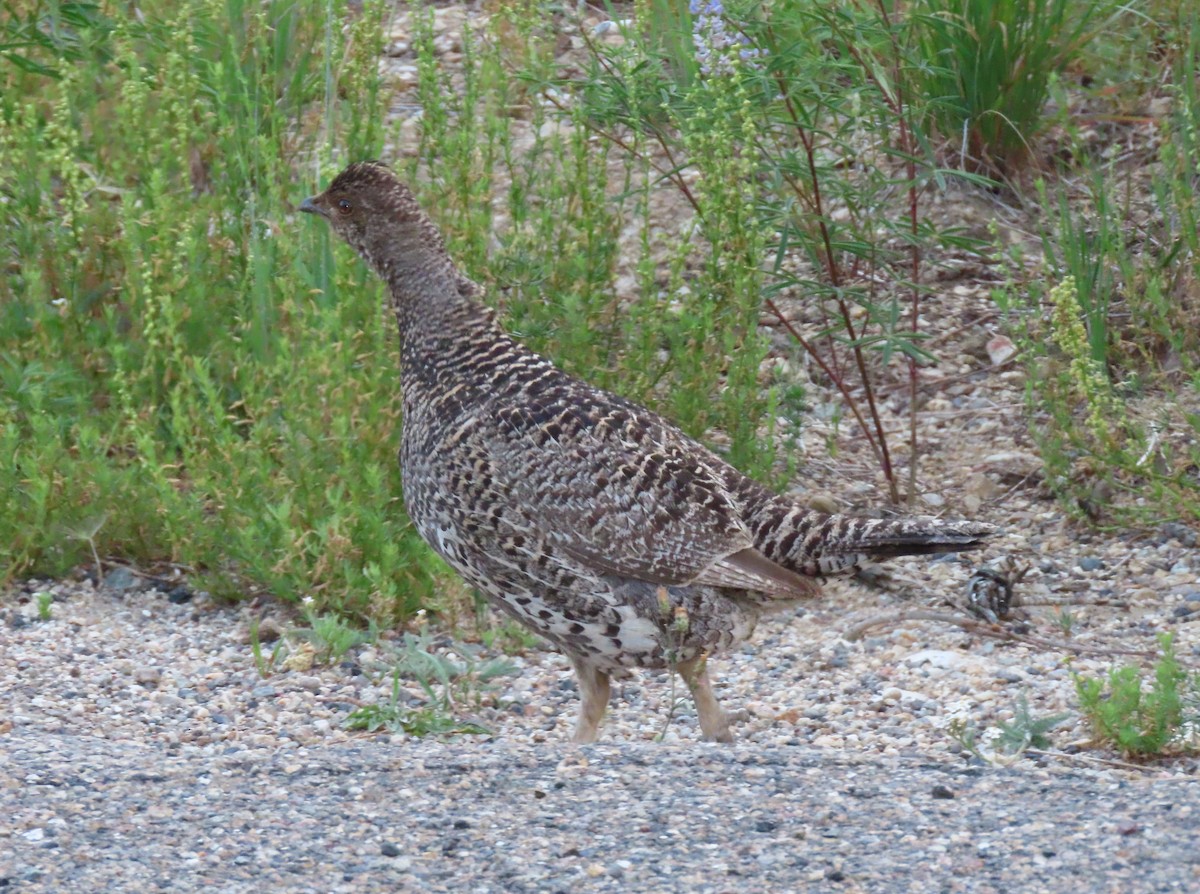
(981, 628)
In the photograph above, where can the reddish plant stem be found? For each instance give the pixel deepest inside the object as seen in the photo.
(897, 105)
(910, 171)
(833, 272)
(821, 362)
(833, 357)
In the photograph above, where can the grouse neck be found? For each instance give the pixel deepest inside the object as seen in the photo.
(434, 310)
(421, 279)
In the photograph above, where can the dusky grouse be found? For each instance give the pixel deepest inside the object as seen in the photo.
(588, 518)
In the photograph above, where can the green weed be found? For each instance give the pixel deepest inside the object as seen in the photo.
(264, 664)
(452, 679)
(40, 37)
(186, 374)
(751, 122)
(1138, 719)
(329, 634)
(505, 635)
(1114, 389)
(1006, 741)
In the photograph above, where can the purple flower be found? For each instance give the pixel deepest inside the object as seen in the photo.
(715, 46)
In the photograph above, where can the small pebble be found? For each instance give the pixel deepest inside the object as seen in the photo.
(180, 595)
(1185, 534)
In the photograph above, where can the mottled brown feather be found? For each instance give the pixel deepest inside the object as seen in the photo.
(585, 516)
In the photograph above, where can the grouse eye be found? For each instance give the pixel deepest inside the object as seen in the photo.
(344, 206)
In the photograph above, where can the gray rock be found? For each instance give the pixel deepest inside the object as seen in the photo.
(942, 659)
(121, 579)
(311, 684)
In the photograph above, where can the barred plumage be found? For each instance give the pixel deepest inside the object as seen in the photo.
(590, 519)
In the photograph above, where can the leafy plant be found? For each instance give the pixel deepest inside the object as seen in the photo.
(185, 373)
(1111, 349)
(1114, 382)
(752, 122)
(37, 36)
(1137, 719)
(330, 635)
(1027, 731)
(1006, 741)
(449, 683)
(504, 634)
(433, 719)
(1065, 618)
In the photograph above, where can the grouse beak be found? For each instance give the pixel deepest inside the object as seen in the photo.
(311, 207)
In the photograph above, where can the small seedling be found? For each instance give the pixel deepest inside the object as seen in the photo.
(1006, 742)
(449, 683)
(330, 636)
(394, 716)
(45, 599)
(1027, 731)
(509, 637)
(264, 665)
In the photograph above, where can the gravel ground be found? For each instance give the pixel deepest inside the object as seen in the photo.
(141, 749)
(88, 814)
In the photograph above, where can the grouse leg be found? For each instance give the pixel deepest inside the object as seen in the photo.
(714, 723)
(593, 689)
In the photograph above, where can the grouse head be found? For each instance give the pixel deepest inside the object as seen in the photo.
(378, 215)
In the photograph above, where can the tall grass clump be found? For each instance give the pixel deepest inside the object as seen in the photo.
(186, 375)
(987, 69)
